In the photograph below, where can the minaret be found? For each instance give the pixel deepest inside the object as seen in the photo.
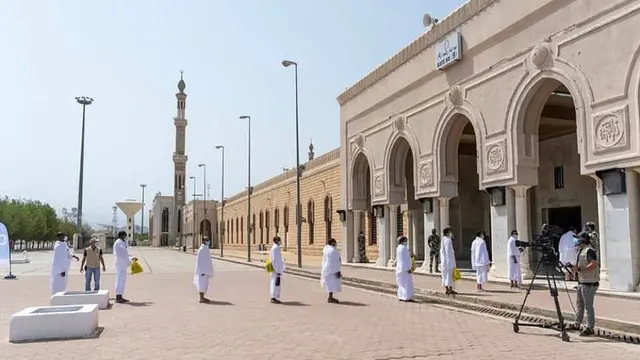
(179, 162)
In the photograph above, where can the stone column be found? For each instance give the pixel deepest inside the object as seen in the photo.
(444, 213)
(418, 234)
(346, 243)
(431, 221)
(393, 234)
(388, 235)
(622, 229)
(411, 231)
(602, 228)
(383, 240)
(503, 219)
(357, 227)
(523, 226)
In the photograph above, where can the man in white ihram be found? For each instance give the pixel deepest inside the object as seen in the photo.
(61, 264)
(480, 260)
(404, 279)
(568, 251)
(447, 260)
(204, 270)
(278, 268)
(513, 259)
(331, 266)
(123, 261)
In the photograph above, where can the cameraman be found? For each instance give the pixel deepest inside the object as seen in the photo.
(588, 271)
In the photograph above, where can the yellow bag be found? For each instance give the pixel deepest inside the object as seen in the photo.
(268, 265)
(413, 263)
(136, 268)
(456, 274)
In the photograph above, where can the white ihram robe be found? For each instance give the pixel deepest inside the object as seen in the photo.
(480, 259)
(515, 272)
(331, 266)
(204, 269)
(447, 261)
(568, 252)
(403, 276)
(278, 267)
(123, 261)
(61, 264)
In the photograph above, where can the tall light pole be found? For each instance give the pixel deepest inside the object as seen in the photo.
(143, 186)
(204, 192)
(193, 215)
(84, 101)
(287, 63)
(222, 226)
(249, 189)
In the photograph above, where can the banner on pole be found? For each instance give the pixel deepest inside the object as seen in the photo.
(4, 246)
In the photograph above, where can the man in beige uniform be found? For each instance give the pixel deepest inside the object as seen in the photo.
(91, 260)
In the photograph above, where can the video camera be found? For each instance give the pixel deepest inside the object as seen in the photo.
(545, 243)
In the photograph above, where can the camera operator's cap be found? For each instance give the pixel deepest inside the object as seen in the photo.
(61, 234)
(584, 237)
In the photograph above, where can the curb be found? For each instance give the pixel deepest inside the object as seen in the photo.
(609, 329)
(497, 282)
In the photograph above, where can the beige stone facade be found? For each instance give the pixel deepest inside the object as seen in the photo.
(273, 209)
(196, 224)
(504, 115)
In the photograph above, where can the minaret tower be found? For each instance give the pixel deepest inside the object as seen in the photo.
(179, 162)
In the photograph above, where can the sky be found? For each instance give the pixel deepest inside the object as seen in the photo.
(127, 55)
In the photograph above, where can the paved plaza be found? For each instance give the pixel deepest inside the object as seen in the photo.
(164, 321)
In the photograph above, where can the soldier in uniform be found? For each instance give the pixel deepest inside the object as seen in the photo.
(434, 249)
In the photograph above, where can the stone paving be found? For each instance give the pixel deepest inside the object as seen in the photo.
(166, 322)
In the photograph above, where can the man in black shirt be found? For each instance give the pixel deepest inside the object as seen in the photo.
(434, 249)
(588, 271)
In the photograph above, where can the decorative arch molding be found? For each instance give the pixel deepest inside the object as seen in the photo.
(446, 160)
(633, 95)
(357, 198)
(389, 182)
(532, 92)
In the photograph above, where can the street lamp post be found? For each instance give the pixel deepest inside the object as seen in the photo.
(249, 190)
(287, 63)
(193, 214)
(204, 192)
(84, 101)
(222, 226)
(143, 186)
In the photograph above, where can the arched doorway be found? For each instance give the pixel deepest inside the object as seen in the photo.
(267, 219)
(205, 228)
(469, 211)
(328, 205)
(285, 222)
(360, 204)
(261, 227)
(311, 215)
(253, 227)
(563, 196)
(402, 194)
(164, 227)
(276, 220)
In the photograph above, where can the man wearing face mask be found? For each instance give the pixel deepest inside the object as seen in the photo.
(204, 270)
(90, 265)
(61, 264)
(588, 271)
(448, 258)
(278, 268)
(404, 279)
(513, 259)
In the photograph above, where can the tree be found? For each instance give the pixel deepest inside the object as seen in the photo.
(33, 222)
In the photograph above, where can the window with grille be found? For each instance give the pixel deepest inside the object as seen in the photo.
(558, 177)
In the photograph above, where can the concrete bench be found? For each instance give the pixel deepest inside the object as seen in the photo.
(100, 298)
(53, 322)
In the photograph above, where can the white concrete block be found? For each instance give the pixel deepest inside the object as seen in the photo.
(100, 298)
(53, 322)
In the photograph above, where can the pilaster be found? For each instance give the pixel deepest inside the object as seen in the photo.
(523, 226)
(393, 231)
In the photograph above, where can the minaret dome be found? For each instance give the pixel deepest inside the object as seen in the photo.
(181, 84)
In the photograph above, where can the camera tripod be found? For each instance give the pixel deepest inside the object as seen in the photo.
(553, 289)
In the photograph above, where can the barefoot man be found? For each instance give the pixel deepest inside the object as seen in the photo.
(204, 270)
(480, 260)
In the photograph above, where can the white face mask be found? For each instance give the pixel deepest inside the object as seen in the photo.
(65, 238)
